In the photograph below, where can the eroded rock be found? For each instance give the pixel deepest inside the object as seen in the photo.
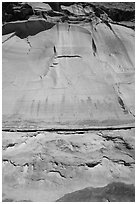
(54, 161)
(68, 102)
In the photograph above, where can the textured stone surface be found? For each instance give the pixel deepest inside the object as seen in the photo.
(68, 102)
(65, 76)
(63, 162)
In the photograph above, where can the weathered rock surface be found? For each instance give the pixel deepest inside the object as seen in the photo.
(64, 75)
(122, 12)
(68, 102)
(37, 164)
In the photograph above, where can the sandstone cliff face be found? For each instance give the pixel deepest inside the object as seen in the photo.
(67, 74)
(68, 68)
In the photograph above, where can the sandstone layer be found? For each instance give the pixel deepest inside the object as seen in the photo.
(46, 165)
(63, 75)
(68, 107)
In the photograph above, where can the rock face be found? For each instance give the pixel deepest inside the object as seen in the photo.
(68, 102)
(44, 166)
(66, 75)
(15, 11)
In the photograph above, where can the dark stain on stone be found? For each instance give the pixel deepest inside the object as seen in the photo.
(38, 107)
(122, 105)
(94, 47)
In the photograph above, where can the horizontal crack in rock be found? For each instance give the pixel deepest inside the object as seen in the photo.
(14, 164)
(56, 171)
(11, 162)
(69, 56)
(120, 161)
(124, 127)
(91, 165)
(114, 138)
(9, 145)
